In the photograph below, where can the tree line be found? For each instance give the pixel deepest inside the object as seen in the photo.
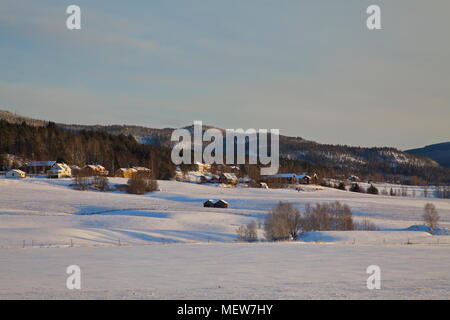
(82, 147)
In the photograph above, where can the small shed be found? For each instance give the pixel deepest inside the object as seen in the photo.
(208, 204)
(221, 204)
(15, 174)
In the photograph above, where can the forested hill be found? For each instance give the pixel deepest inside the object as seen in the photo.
(50, 142)
(439, 152)
(124, 145)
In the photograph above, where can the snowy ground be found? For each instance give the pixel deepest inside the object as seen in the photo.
(227, 271)
(172, 247)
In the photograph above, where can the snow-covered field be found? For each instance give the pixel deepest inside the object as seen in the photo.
(166, 245)
(227, 271)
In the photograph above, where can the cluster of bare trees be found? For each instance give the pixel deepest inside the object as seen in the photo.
(248, 232)
(402, 192)
(83, 182)
(327, 216)
(442, 192)
(141, 183)
(285, 222)
(365, 225)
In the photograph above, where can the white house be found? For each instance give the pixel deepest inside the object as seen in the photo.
(59, 170)
(15, 174)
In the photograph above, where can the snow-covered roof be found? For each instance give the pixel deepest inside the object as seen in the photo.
(127, 169)
(41, 163)
(16, 171)
(141, 169)
(284, 175)
(290, 175)
(95, 166)
(229, 175)
(60, 166)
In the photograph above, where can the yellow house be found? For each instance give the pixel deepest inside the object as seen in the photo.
(59, 170)
(125, 172)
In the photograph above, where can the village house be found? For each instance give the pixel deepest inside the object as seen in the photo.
(228, 178)
(208, 204)
(75, 170)
(142, 170)
(212, 178)
(287, 179)
(281, 178)
(15, 173)
(221, 204)
(202, 167)
(37, 167)
(93, 170)
(59, 170)
(125, 173)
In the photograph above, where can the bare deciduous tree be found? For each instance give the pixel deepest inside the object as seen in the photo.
(430, 216)
(101, 183)
(81, 182)
(248, 232)
(283, 222)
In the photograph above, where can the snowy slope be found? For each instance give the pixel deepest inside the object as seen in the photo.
(47, 212)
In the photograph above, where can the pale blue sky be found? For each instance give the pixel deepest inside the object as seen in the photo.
(308, 68)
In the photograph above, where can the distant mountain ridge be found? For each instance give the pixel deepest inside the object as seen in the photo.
(440, 152)
(348, 159)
